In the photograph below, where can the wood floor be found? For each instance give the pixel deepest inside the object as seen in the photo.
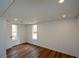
(32, 51)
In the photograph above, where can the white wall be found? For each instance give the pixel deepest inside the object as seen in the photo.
(57, 35)
(10, 42)
(3, 38)
(22, 33)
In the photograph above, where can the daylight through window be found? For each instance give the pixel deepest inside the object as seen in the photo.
(34, 32)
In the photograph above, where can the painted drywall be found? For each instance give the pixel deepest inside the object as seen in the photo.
(11, 42)
(22, 33)
(57, 35)
(77, 37)
(3, 38)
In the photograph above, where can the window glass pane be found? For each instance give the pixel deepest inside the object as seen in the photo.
(34, 36)
(34, 28)
(14, 32)
(34, 32)
(14, 27)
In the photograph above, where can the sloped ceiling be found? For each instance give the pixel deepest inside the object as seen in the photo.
(35, 11)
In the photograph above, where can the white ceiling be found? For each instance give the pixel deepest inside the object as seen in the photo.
(4, 4)
(35, 11)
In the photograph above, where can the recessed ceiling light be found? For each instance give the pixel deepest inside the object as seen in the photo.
(15, 19)
(61, 1)
(64, 15)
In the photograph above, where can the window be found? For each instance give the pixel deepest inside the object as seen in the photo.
(14, 32)
(34, 32)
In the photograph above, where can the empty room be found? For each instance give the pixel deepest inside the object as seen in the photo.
(39, 28)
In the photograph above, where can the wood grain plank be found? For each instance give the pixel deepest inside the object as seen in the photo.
(28, 50)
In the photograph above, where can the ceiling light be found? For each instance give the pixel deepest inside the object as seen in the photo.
(61, 1)
(64, 15)
(15, 19)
